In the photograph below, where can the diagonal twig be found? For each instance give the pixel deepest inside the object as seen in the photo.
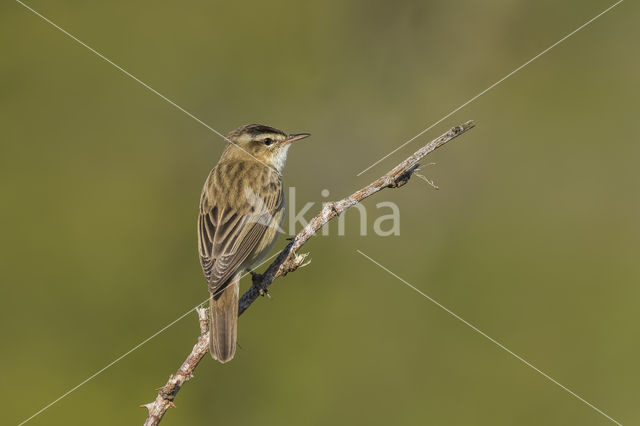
(288, 261)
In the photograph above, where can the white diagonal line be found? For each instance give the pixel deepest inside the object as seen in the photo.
(492, 86)
(128, 74)
(491, 339)
(109, 365)
(133, 349)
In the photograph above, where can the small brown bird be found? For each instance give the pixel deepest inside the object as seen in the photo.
(241, 209)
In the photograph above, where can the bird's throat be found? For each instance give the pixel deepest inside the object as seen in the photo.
(279, 158)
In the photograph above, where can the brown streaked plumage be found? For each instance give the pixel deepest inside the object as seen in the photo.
(241, 209)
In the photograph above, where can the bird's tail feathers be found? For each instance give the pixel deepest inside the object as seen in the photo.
(223, 322)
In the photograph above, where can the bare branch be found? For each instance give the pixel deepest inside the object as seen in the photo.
(168, 392)
(288, 261)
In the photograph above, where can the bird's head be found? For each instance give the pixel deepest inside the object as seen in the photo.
(262, 143)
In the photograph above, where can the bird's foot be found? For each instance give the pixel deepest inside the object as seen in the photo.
(256, 279)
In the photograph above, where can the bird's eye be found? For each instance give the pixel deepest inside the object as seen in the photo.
(267, 141)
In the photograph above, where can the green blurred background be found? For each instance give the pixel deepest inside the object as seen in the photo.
(533, 236)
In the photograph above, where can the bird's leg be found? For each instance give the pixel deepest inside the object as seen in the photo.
(403, 178)
(256, 280)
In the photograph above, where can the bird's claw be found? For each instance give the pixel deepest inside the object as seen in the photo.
(256, 279)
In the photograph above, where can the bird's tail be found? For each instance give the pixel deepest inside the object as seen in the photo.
(223, 322)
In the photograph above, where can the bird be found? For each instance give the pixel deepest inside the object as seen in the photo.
(242, 207)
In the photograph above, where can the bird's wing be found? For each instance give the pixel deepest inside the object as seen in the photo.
(230, 231)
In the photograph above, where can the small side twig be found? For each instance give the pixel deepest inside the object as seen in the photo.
(288, 261)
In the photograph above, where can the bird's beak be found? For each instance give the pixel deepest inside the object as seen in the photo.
(294, 137)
